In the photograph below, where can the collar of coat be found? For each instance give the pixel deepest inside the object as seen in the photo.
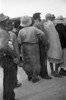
(58, 22)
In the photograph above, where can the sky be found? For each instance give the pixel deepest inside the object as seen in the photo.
(18, 8)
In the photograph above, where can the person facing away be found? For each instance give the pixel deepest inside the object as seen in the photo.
(55, 51)
(42, 47)
(60, 27)
(28, 39)
(7, 61)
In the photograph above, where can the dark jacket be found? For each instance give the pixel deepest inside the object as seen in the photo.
(62, 34)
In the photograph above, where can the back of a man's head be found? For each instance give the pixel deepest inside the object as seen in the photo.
(48, 16)
(37, 16)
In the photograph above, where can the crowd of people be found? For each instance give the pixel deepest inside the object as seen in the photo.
(30, 46)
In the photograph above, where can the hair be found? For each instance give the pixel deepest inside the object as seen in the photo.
(36, 15)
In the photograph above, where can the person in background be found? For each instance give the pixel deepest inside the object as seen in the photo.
(47, 18)
(28, 39)
(42, 47)
(7, 61)
(12, 33)
(60, 27)
(55, 51)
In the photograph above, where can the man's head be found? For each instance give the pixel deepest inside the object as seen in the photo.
(3, 17)
(36, 16)
(48, 16)
(3, 20)
(9, 25)
(52, 17)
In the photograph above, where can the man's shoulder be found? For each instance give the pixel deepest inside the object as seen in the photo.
(37, 23)
(2, 30)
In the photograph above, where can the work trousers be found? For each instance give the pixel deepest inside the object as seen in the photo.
(9, 77)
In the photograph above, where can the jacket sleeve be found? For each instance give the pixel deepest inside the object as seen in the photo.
(65, 31)
(41, 35)
(19, 38)
(16, 47)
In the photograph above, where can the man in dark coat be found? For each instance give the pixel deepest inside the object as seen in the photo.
(60, 27)
(43, 48)
(14, 31)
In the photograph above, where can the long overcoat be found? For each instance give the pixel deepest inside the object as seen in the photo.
(55, 51)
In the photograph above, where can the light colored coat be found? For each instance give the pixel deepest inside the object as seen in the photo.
(54, 52)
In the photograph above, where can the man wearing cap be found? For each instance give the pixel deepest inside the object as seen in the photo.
(42, 47)
(7, 61)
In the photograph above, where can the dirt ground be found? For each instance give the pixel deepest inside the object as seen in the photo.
(54, 89)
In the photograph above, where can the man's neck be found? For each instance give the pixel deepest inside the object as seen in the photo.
(37, 21)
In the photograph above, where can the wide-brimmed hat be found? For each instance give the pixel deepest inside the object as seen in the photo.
(36, 15)
(3, 17)
(25, 21)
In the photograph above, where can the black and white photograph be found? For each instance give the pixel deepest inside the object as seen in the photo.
(32, 50)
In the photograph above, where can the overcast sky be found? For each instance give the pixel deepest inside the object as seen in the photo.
(17, 8)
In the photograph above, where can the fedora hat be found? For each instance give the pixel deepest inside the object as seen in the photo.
(3, 17)
(25, 21)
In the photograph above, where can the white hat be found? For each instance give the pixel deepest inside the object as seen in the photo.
(25, 21)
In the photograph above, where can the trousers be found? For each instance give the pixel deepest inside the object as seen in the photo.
(9, 77)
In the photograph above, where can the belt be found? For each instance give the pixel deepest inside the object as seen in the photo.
(29, 43)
